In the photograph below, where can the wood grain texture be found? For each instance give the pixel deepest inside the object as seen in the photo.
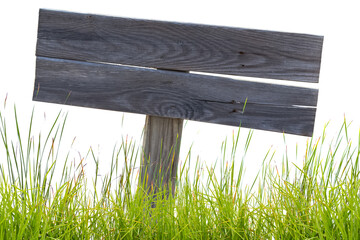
(176, 95)
(177, 46)
(161, 148)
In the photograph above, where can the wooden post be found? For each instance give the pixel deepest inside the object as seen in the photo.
(162, 138)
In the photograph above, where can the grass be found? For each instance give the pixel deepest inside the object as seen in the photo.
(317, 200)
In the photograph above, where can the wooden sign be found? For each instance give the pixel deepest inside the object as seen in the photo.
(155, 68)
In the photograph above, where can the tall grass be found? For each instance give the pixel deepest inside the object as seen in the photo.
(317, 200)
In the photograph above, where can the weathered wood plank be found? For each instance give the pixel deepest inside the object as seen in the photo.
(116, 80)
(176, 46)
(176, 95)
(161, 148)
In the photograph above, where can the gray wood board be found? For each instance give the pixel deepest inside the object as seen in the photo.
(178, 46)
(176, 95)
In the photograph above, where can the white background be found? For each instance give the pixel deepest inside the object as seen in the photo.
(337, 21)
